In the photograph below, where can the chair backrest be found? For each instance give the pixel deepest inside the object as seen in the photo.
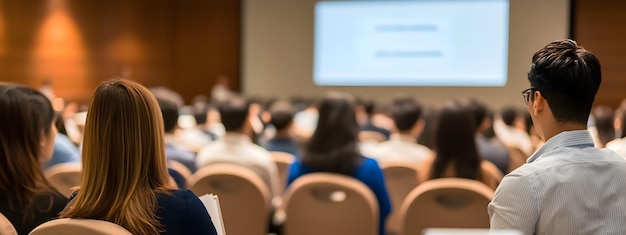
(400, 179)
(446, 203)
(517, 158)
(283, 161)
(6, 228)
(244, 197)
(63, 177)
(326, 203)
(371, 136)
(180, 168)
(79, 227)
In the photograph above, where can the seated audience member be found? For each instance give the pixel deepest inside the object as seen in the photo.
(334, 148)
(236, 146)
(619, 144)
(27, 137)
(602, 130)
(456, 154)
(365, 110)
(281, 117)
(200, 109)
(402, 145)
(64, 152)
(305, 120)
(510, 129)
(567, 186)
(489, 149)
(125, 177)
(173, 152)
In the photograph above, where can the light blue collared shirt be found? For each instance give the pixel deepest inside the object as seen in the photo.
(567, 187)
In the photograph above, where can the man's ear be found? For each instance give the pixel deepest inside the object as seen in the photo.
(538, 102)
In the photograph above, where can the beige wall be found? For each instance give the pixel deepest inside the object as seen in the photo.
(278, 52)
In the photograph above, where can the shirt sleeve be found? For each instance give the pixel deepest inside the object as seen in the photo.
(197, 219)
(514, 205)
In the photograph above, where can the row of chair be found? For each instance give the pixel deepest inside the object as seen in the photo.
(401, 179)
(325, 203)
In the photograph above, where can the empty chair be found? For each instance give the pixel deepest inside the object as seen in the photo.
(79, 227)
(446, 203)
(328, 203)
(6, 228)
(63, 177)
(400, 179)
(244, 197)
(283, 162)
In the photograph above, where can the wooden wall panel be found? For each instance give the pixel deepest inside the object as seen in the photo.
(180, 44)
(600, 26)
(207, 45)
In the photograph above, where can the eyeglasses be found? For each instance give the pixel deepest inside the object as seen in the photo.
(526, 94)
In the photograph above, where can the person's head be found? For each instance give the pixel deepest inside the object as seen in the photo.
(603, 116)
(281, 115)
(564, 79)
(455, 142)
(123, 159)
(234, 114)
(508, 115)
(169, 111)
(407, 116)
(200, 108)
(333, 146)
(482, 115)
(27, 135)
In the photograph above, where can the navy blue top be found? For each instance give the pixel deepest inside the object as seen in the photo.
(283, 144)
(182, 212)
(369, 173)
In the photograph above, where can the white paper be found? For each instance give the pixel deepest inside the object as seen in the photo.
(212, 205)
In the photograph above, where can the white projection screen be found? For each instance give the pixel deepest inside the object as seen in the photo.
(411, 43)
(279, 52)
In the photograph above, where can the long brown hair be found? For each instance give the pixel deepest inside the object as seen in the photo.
(124, 166)
(27, 118)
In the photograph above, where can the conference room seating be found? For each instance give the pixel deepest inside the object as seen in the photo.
(400, 179)
(517, 158)
(283, 161)
(244, 198)
(64, 177)
(445, 203)
(371, 136)
(180, 168)
(79, 227)
(330, 204)
(6, 228)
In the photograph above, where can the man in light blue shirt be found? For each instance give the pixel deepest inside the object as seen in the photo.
(567, 186)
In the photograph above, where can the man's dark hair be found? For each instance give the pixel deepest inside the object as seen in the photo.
(508, 115)
(405, 112)
(568, 77)
(169, 110)
(234, 113)
(480, 112)
(281, 113)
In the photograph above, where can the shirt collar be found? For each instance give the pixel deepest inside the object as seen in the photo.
(402, 138)
(578, 138)
(236, 137)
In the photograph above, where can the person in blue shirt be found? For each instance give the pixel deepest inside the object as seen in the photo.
(282, 113)
(64, 152)
(125, 178)
(333, 148)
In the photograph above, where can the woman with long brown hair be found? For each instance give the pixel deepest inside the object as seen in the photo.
(27, 135)
(125, 178)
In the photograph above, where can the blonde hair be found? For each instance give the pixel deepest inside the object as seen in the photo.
(124, 166)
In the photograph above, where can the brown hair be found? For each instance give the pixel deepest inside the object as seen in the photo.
(27, 116)
(124, 166)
